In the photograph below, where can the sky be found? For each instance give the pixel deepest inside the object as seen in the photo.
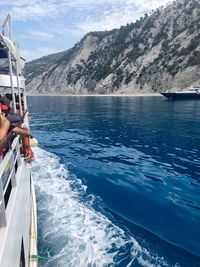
(43, 27)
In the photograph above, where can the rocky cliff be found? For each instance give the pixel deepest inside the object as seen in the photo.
(158, 52)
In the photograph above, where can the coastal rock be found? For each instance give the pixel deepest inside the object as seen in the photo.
(156, 53)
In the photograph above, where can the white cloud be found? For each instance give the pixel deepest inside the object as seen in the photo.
(150, 4)
(14, 2)
(33, 12)
(109, 21)
(37, 53)
(43, 20)
(37, 9)
(131, 10)
(38, 35)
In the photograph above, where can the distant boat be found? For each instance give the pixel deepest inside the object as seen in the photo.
(187, 93)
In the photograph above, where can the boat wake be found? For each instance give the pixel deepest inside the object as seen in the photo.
(71, 231)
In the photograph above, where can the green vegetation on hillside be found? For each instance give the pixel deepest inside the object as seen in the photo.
(155, 47)
(39, 66)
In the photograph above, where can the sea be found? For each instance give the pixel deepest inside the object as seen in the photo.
(117, 181)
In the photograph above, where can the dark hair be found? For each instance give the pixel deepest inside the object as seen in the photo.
(14, 118)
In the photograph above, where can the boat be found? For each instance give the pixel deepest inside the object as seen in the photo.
(18, 218)
(187, 93)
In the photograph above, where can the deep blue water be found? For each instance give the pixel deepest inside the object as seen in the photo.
(117, 180)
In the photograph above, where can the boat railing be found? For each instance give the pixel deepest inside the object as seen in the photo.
(14, 78)
(9, 168)
(7, 25)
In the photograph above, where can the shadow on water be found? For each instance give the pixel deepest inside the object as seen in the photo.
(148, 239)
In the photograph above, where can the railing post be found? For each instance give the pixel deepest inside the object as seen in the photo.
(18, 86)
(13, 176)
(8, 23)
(2, 207)
(19, 160)
(11, 80)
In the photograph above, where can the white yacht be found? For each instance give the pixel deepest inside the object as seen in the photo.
(18, 221)
(187, 93)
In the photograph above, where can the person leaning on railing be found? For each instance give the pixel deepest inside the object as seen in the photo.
(16, 122)
(12, 125)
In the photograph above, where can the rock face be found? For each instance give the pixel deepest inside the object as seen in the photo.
(156, 53)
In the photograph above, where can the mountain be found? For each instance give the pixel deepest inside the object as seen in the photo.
(158, 52)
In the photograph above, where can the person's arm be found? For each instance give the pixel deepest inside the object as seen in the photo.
(20, 131)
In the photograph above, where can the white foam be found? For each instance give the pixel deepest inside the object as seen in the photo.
(73, 232)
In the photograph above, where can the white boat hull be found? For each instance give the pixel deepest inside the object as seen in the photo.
(16, 233)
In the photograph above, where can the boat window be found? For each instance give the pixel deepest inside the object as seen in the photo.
(22, 257)
(4, 64)
(3, 53)
(7, 193)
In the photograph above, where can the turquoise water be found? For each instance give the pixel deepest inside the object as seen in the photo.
(117, 180)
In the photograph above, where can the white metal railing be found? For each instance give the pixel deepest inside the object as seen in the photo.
(9, 166)
(14, 62)
(12, 160)
(7, 25)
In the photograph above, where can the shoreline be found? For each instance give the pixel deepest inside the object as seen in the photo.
(100, 95)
